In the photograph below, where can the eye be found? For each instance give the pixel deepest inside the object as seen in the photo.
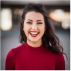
(29, 22)
(39, 23)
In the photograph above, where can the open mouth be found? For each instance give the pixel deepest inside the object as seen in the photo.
(34, 33)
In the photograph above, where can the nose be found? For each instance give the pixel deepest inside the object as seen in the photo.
(34, 26)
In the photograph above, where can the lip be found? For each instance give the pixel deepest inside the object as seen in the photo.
(34, 35)
(34, 31)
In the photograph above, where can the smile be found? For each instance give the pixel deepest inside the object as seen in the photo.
(34, 33)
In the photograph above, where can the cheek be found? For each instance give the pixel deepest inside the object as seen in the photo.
(42, 28)
(26, 28)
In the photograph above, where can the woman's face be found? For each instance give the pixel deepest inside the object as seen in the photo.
(34, 26)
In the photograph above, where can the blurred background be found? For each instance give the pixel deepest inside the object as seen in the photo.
(10, 16)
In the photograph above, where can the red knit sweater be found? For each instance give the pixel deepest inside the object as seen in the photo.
(30, 58)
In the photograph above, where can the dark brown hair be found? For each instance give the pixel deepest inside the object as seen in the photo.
(49, 39)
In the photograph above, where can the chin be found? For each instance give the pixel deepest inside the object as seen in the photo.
(34, 40)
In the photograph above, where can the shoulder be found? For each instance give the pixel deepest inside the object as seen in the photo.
(60, 61)
(11, 57)
(60, 58)
(15, 51)
(56, 56)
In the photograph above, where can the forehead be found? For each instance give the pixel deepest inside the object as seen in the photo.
(34, 16)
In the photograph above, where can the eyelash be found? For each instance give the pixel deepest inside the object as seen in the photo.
(31, 23)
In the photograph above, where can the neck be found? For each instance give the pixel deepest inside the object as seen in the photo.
(34, 44)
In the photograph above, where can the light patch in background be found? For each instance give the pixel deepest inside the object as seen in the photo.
(18, 11)
(6, 19)
(57, 15)
(61, 16)
(65, 24)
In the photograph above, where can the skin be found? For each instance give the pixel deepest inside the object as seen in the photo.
(34, 21)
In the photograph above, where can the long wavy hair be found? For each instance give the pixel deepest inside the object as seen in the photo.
(49, 39)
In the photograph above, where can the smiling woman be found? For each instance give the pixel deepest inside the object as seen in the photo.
(34, 28)
(40, 49)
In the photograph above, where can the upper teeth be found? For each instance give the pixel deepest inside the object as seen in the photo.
(33, 33)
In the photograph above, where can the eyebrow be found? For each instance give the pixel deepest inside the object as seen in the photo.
(37, 20)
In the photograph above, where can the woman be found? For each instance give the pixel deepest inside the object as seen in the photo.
(40, 49)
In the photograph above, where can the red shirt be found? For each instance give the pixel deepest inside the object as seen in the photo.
(31, 58)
